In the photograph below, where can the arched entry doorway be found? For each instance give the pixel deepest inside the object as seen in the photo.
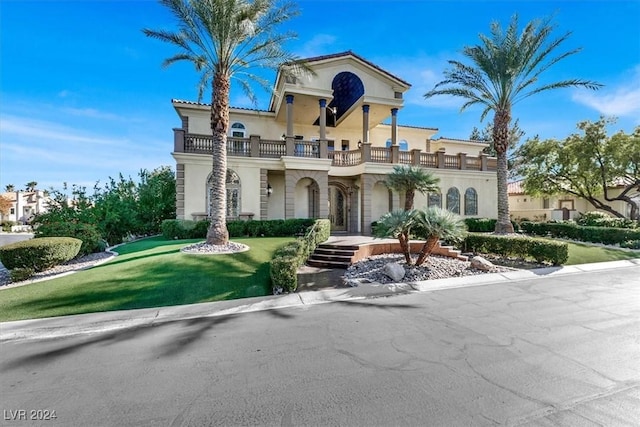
(338, 208)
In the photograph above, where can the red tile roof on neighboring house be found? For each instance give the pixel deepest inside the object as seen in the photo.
(475, 141)
(515, 188)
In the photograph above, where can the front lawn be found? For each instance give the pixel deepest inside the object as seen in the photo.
(148, 273)
(586, 254)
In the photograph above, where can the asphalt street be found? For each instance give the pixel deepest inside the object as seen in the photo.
(559, 350)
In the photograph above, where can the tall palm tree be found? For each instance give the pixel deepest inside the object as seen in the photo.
(409, 179)
(505, 69)
(226, 39)
(10, 188)
(31, 185)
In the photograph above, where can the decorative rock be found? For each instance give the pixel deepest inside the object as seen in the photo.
(394, 271)
(480, 263)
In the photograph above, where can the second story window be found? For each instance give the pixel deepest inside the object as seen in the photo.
(238, 130)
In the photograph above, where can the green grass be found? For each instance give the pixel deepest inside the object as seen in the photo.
(586, 254)
(147, 273)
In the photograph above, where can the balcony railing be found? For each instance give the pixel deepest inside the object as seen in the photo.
(274, 149)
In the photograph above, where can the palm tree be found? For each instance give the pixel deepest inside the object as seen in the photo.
(397, 225)
(31, 186)
(226, 39)
(434, 224)
(505, 69)
(409, 179)
(10, 188)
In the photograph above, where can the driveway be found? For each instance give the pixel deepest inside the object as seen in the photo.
(555, 350)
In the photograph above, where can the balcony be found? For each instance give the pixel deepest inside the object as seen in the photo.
(263, 148)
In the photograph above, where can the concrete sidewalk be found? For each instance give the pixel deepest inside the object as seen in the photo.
(115, 320)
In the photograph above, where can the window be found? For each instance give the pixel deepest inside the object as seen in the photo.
(13, 211)
(453, 200)
(238, 130)
(403, 144)
(470, 202)
(233, 194)
(545, 203)
(434, 199)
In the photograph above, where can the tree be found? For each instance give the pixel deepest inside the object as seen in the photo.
(31, 185)
(505, 69)
(586, 164)
(226, 39)
(429, 225)
(10, 188)
(5, 206)
(409, 179)
(486, 135)
(156, 198)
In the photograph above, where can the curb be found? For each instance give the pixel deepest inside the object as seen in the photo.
(81, 324)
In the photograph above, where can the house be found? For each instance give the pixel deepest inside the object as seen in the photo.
(24, 205)
(558, 207)
(322, 150)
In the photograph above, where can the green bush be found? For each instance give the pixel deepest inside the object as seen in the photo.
(39, 254)
(630, 244)
(20, 274)
(287, 259)
(186, 229)
(556, 253)
(570, 230)
(6, 226)
(601, 219)
(485, 225)
(89, 234)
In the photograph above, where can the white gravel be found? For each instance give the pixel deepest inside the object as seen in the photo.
(435, 267)
(73, 265)
(206, 249)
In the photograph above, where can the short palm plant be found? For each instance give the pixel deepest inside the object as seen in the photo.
(409, 179)
(433, 224)
(397, 225)
(430, 225)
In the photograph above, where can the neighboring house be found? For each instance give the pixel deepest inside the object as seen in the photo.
(558, 207)
(24, 205)
(321, 151)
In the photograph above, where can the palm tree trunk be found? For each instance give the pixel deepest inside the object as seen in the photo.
(427, 248)
(217, 233)
(409, 197)
(501, 143)
(406, 248)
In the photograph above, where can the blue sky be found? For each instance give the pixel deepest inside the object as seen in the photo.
(83, 96)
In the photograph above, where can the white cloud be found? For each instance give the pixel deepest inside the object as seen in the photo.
(620, 100)
(320, 44)
(92, 113)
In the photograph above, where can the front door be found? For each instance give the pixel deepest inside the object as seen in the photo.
(337, 209)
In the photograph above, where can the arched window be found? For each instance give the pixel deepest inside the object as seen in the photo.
(238, 130)
(403, 144)
(470, 202)
(453, 200)
(233, 194)
(434, 200)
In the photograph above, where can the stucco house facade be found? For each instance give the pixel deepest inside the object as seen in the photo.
(322, 150)
(557, 207)
(24, 205)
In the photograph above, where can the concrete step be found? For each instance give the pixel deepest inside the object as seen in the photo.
(339, 247)
(338, 252)
(327, 264)
(331, 257)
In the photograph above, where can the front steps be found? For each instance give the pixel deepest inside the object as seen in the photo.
(329, 255)
(333, 256)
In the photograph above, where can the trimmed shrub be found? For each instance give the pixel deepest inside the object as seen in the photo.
(178, 229)
(601, 219)
(235, 228)
(6, 226)
(630, 244)
(39, 254)
(570, 230)
(20, 274)
(485, 225)
(541, 250)
(174, 229)
(89, 234)
(287, 259)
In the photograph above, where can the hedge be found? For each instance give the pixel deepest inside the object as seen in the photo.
(287, 259)
(39, 254)
(88, 233)
(601, 219)
(484, 225)
(541, 250)
(570, 230)
(174, 229)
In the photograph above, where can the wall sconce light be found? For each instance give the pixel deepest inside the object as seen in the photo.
(359, 144)
(269, 190)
